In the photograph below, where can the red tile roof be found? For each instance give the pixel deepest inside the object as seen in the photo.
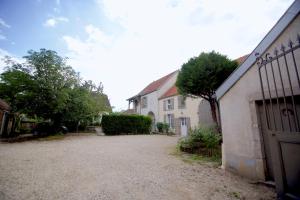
(156, 84)
(240, 60)
(171, 92)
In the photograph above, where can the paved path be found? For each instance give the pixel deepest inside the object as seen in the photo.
(117, 167)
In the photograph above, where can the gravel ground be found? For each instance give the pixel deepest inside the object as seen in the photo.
(116, 167)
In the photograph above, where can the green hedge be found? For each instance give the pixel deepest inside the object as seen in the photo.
(126, 124)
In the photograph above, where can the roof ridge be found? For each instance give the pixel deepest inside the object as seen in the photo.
(289, 15)
(155, 85)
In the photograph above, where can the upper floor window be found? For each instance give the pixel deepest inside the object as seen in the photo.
(169, 104)
(181, 102)
(144, 102)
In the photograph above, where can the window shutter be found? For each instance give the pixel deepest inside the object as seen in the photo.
(165, 118)
(172, 103)
(165, 104)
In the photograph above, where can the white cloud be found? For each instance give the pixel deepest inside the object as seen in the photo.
(96, 35)
(160, 35)
(52, 22)
(4, 24)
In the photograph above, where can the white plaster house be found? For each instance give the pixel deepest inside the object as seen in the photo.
(260, 110)
(183, 113)
(162, 103)
(146, 101)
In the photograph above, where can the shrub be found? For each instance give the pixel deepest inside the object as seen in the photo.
(162, 127)
(201, 140)
(166, 127)
(126, 124)
(48, 128)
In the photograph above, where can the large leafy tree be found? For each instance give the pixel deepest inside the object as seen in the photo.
(54, 78)
(202, 75)
(17, 86)
(46, 87)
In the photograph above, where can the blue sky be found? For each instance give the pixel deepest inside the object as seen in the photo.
(28, 29)
(128, 44)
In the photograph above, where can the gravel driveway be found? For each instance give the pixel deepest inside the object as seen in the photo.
(116, 167)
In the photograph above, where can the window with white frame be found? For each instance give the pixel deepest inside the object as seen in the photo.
(169, 104)
(170, 120)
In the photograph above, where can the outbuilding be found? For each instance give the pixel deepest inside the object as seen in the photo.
(260, 109)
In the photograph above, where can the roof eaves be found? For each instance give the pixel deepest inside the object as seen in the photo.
(143, 94)
(165, 97)
(134, 97)
(271, 36)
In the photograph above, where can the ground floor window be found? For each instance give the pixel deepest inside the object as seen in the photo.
(170, 120)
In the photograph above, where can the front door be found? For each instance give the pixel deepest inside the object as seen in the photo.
(183, 126)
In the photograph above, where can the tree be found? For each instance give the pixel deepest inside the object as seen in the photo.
(55, 79)
(202, 75)
(46, 87)
(15, 86)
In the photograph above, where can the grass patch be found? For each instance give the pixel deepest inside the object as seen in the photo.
(214, 161)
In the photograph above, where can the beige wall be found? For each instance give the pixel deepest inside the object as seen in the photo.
(242, 146)
(190, 111)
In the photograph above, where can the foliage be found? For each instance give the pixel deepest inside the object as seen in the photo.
(201, 139)
(202, 75)
(214, 160)
(45, 87)
(162, 127)
(126, 124)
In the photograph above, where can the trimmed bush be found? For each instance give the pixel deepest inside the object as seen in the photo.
(201, 140)
(126, 124)
(162, 127)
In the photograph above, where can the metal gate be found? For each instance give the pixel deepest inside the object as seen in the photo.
(280, 89)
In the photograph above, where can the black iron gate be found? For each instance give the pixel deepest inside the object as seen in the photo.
(280, 88)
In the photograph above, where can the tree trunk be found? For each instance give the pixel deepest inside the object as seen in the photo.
(77, 126)
(13, 125)
(212, 103)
